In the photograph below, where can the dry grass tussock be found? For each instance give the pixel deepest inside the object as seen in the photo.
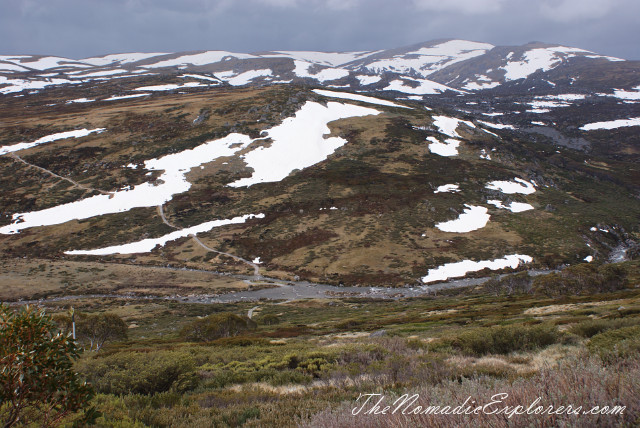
(578, 381)
(523, 364)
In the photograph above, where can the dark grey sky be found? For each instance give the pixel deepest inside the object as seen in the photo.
(82, 28)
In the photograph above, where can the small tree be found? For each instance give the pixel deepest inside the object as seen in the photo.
(95, 330)
(37, 383)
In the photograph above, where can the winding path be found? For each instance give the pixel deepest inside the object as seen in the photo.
(250, 313)
(164, 219)
(53, 174)
(254, 266)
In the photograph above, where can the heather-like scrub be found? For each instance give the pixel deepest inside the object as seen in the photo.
(616, 344)
(217, 326)
(505, 339)
(322, 354)
(518, 283)
(141, 372)
(579, 381)
(592, 327)
(585, 278)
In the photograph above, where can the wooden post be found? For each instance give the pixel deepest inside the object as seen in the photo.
(73, 323)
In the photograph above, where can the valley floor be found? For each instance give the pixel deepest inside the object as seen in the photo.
(307, 361)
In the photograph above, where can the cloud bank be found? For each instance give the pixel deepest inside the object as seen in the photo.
(81, 28)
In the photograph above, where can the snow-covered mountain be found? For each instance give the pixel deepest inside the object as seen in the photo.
(429, 68)
(388, 167)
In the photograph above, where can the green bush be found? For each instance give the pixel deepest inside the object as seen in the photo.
(505, 339)
(349, 324)
(270, 319)
(592, 327)
(216, 326)
(519, 283)
(584, 278)
(250, 413)
(240, 341)
(141, 372)
(288, 377)
(620, 343)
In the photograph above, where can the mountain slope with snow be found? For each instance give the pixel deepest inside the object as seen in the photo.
(424, 69)
(388, 167)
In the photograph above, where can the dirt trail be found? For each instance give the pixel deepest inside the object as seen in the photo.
(254, 266)
(53, 174)
(164, 219)
(251, 311)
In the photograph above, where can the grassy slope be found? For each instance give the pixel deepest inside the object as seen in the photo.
(382, 182)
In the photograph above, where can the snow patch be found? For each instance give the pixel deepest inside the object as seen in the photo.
(170, 87)
(514, 207)
(147, 245)
(50, 62)
(563, 97)
(368, 80)
(77, 75)
(473, 218)
(356, 97)
(244, 78)
(124, 97)
(612, 124)
(627, 95)
(172, 181)
(460, 269)
(478, 86)
(509, 187)
(200, 76)
(447, 188)
(425, 87)
(448, 148)
(80, 100)
(78, 133)
(299, 142)
(537, 105)
(428, 60)
(489, 132)
(120, 58)
(302, 70)
(481, 82)
(18, 85)
(543, 59)
(497, 125)
(332, 59)
(448, 125)
(484, 155)
(12, 67)
(203, 58)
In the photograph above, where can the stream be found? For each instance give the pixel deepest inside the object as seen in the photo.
(287, 291)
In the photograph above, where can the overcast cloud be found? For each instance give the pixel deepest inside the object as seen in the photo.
(82, 28)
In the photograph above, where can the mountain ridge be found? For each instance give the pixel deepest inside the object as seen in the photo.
(486, 66)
